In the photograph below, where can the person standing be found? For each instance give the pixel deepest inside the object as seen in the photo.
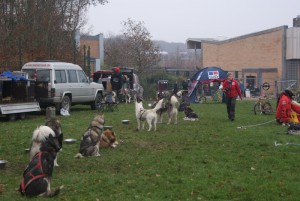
(232, 90)
(116, 81)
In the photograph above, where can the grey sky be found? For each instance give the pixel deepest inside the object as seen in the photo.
(177, 20)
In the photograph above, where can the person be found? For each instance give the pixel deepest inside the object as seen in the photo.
(116, 80)
(185, 85)
(232, 90)
(242, 88)
(284, 107)
(175, 89)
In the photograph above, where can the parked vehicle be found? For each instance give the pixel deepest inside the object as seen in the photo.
(103, 76)
(66, 84)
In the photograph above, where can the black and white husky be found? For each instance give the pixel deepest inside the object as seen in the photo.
(41, 134)
(37, 175)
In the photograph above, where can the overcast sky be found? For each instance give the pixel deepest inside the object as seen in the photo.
(177, 20)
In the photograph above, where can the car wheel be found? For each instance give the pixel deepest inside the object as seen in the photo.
(66, 103)
(97, 104)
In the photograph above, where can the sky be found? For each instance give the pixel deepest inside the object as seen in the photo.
(178, 20)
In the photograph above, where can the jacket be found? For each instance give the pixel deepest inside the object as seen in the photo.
(231, 89)
(284, 108)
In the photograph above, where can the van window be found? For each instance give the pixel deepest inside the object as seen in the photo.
(72, 75)
(39, 75)
(82, 77)
(43, 75)
(60, 76)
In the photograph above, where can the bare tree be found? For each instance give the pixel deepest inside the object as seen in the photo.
(141, 53)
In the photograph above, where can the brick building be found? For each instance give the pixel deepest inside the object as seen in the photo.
(96, 46)
(271, 56)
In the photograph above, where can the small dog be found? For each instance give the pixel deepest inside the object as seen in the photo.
(40, 134)
(149, 115)
(37, 175)
(190, 114)
(90, 140)
(108, 139)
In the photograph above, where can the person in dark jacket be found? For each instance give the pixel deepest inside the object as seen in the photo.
(232, 90)
(116, 80)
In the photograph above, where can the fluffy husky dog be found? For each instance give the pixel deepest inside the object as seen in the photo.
(108, 139)
(90, 140)
(37, 175)
(171, 109)
(41, 134)
(148, 115)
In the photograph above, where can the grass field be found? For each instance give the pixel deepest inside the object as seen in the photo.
(209, 159)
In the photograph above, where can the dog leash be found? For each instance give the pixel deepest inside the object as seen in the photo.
(254, 125)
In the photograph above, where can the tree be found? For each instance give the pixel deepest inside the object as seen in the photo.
(39, 29)
(141, 53)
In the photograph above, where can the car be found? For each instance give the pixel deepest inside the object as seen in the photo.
(67, 85)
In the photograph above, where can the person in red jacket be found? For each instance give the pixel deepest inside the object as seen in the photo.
(284, 107)
(232, 90)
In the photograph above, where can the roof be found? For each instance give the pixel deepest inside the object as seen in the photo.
(196, 43)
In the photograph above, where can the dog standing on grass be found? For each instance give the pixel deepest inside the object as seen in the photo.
(148, 115)
(41, 134)
(37, 175)
(171, 109)
(90, 140)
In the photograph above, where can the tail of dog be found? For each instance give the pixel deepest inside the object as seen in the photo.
(53, 193)
(78, 155)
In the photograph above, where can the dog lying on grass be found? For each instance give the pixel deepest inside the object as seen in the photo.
(190, 114)
(41, 134)
(108, 139)
(37, 175)
(90, 140)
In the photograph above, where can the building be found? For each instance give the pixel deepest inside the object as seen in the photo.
(96, 46)
(271, 56)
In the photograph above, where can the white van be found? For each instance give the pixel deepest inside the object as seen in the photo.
(66, 84)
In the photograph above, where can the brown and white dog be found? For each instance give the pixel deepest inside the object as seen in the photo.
(90, 140)
(108, 139)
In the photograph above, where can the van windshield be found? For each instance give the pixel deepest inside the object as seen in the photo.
(39, 75)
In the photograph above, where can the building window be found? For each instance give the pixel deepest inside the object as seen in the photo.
(292, 69)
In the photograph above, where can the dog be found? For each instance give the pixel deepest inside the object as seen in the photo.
(90, 140)
(171, 108)
(148, 115)
(190, 114)
(108, 139)
(37, 175)
(40, 134)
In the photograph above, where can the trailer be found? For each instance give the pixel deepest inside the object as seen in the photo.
(17, 97)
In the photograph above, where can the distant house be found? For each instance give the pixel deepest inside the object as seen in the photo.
(271, 56)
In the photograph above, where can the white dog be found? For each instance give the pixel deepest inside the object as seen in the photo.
(173, 109)
(148, 115)
(39, 136)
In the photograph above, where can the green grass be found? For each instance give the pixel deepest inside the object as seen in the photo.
(209, 159)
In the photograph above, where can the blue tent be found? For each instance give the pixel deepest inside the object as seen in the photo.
(205, 76)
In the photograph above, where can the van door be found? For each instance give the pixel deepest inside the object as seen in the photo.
(87, 93)
(60, 82)
(73, 85)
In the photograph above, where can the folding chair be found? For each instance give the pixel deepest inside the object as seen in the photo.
(110, 103)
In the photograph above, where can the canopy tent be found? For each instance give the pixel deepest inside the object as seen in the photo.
(205, 76)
